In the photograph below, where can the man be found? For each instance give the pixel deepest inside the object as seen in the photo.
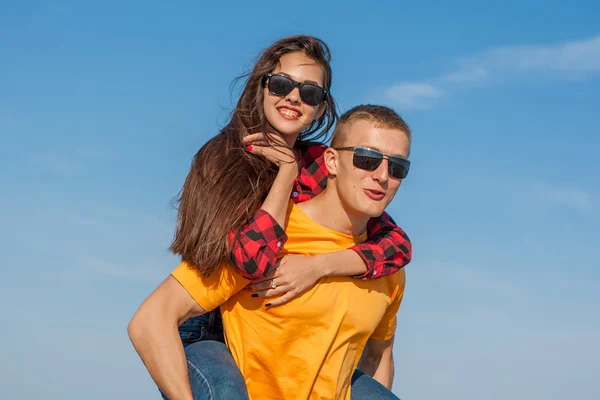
(309, 347)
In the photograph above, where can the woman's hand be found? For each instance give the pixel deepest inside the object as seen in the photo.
(272, 147)
(293, 275)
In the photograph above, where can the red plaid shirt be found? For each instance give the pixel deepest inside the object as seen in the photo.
(386, 250)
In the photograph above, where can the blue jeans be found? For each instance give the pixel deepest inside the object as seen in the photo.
(212, 370)
(205, 327)
(214, 374)
(366, 388)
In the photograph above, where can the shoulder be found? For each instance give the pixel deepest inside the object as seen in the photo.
(396, 283)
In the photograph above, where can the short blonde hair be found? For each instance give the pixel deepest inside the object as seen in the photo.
(381, 115)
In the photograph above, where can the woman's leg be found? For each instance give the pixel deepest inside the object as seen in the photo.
(366, 388)
(205, 327)
(213, 372)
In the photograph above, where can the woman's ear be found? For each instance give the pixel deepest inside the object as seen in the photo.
(331, 160)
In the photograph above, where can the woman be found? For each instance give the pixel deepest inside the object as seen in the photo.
(234, 201)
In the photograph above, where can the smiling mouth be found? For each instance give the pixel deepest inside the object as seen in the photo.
(288, 113)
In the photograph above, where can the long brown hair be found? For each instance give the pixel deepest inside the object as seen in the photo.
(226, 184)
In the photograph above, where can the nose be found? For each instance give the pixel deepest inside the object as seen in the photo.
(294, 96)
(381, 174)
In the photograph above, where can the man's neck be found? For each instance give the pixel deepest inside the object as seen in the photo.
(326, 209)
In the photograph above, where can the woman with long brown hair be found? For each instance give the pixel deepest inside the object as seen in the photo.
(233, 206)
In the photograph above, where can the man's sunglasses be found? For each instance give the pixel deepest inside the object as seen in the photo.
(281, 85)
(369, 160)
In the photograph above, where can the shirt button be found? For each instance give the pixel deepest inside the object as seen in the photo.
(295, 194)
(278, 244)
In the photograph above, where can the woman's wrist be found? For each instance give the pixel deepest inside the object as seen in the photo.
(289, 170)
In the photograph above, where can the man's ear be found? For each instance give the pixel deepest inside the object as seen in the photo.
(331, 158)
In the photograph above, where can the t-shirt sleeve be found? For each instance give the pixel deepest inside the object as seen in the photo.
(387, 326)
(213, 290)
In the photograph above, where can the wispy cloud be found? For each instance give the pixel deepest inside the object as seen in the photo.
(468, 278)
(51, 160)
(67, 161)
(571, 59)
(146, 273)
(566, 60)
(413, 95)
(469, 74)
(573, 198)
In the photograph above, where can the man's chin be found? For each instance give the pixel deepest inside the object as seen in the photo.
(374, 212)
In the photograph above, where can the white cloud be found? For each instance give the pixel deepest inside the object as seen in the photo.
(574, 59)
(66, 160)
(413, 95)
(468, 74)
(145, 273)
(574, 198)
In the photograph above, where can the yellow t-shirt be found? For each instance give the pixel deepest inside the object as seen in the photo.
(309, 347)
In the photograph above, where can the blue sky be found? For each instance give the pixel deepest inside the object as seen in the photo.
(103, 104)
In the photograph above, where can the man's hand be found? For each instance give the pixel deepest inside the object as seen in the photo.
(292, 276)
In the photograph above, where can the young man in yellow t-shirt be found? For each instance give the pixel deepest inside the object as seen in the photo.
(310, 347)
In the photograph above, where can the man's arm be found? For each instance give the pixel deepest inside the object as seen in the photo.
(153, 332)
(377, 361)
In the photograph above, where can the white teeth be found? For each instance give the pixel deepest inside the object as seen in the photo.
(288, 113)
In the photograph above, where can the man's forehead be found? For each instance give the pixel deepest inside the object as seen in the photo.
(365, 133)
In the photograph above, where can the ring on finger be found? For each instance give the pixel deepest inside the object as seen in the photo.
(273, 285)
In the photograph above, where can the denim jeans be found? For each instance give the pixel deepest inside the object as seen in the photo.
(212, 371)
(214, 374)
(366, 388)
(205, 327)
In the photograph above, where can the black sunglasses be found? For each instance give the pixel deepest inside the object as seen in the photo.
(281, 85)
(369, 160)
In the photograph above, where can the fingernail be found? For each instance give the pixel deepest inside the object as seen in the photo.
(249, 148)
(268, 304)
(254, 295)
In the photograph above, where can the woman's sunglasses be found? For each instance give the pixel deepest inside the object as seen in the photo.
(369, 160)
(281, 85)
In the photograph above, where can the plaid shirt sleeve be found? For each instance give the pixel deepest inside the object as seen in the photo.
(254, 251)
(386, 250)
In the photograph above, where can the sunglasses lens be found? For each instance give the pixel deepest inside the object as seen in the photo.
(398, 169)
(369, 160)
(280, 85)
(366, 159)
(311, 94)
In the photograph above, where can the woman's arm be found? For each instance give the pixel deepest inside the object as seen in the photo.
(254, 251)
(153, 332)
(386, 250)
